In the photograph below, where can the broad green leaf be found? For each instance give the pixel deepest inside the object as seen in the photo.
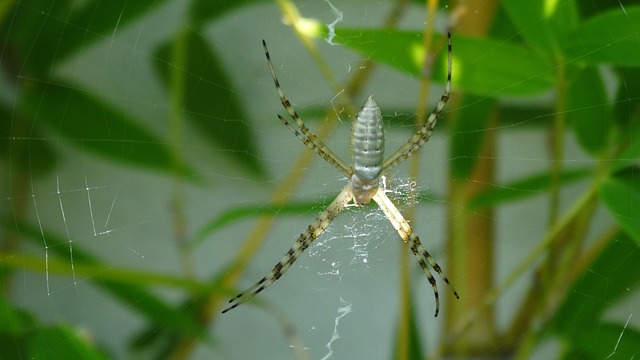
(469, 133)
(42, 32)
(589, 8)
(612, 276)
(543, 23)
(78, 118)
(13, 347)
(589, 112)
(608, 38)
(611, 341)
(631, 154)
(202, 11)
(15, 325)
(623, 202)
(62, 342)
(522, 188)
(30, 33)
(22, 146)
(99, 20)
(520, 116)
(627, 101)
(204, 90)
(493, 68)
(14, 321)
(482, 67)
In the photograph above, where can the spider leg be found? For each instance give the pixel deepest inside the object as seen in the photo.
(318, 146)
(304, 241)
(406, 233)
(424, 134)
(305, 135)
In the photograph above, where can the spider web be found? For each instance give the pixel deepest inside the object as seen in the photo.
(340, 297)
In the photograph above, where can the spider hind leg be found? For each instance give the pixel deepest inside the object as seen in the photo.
(302, 243)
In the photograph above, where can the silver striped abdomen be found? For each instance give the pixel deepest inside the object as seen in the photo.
(367, 149)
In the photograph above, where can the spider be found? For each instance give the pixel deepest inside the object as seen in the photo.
(367, 150)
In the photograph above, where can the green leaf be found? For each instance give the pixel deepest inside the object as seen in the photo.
(608, 38)
(32, 34)
(623, 202)
(14, 321)
(612, 276)
(611, 341)
(13, 347)
(99, 20)
(589, 9)
(202, 11)
(482, 67)
(520, 116)
(23, 147)
(62, 342)
(630, 155)
(532, 185)
(76, 117)
(207, 96)
(44, 32)
(627, 101)
(589, 112)
(15, 326)
(542, 23)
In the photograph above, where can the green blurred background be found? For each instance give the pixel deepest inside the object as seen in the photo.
(146, 179)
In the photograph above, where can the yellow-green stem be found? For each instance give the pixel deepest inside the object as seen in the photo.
(176, 137)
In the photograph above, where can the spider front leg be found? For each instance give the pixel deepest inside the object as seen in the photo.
(424, 134)
(305, 135)
(304, 241)
(406, 233)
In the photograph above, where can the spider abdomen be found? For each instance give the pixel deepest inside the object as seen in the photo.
(367, 141)
(367, 148)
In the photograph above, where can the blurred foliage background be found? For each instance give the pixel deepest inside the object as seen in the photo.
(141, 177)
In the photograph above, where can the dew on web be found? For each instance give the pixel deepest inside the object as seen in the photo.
(93, 223)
